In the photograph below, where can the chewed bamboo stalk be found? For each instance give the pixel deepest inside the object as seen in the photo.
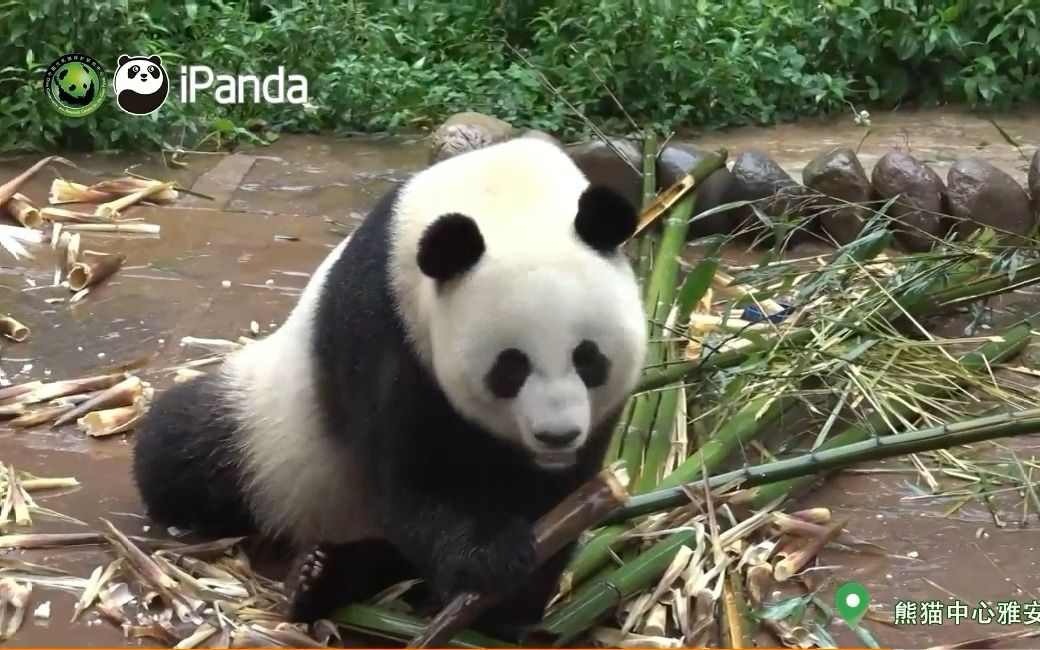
(92, 268)
(10, 392)
(40, 416)
(120, 395)
(797, 560)
(13, 329)
(61, 215)
(65, 387)
(21, 209)
(117, 227)
(111, 209)
(109, 422)
(33, 484)
(63, 191)
(11, 187)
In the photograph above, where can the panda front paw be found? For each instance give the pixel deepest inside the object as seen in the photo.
(301, 586)
(495, 564)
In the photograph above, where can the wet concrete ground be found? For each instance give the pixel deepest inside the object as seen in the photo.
(173, 286)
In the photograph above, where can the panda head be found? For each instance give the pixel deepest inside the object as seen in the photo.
(537, 337)
(140, 74)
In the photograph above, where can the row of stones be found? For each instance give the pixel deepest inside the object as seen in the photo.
(836, 195)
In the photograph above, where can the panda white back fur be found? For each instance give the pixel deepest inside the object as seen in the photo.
(449, 374)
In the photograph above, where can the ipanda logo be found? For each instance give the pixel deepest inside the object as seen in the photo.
(75, 85)
(277, 88)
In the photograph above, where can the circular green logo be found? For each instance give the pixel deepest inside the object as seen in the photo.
(75, 84)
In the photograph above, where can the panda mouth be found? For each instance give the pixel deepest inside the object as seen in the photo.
(555, 460)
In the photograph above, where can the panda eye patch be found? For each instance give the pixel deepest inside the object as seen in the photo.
(134, 69)
(590, 364)
(508, 374)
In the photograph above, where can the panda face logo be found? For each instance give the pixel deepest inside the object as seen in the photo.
(141, 84)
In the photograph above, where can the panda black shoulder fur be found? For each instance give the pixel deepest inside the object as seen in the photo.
(450, 373)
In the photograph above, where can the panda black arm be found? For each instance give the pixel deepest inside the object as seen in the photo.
(446, 515)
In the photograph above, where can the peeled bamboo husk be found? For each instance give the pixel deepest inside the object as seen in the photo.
(92, 268)
(108, 422)
(117, 227)
(67, 249)
(13, 329)
(21, 209)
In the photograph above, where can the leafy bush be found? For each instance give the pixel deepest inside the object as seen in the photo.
(391, 66)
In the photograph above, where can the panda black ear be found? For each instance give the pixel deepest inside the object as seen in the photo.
(450, 245)
(156, 59)
(605, 218)
(122, 59)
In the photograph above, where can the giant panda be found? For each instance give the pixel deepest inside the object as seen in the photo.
(449, 374)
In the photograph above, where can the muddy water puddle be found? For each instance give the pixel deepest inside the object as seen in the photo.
(213, 271)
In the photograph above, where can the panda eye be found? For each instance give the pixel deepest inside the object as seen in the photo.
(134, 70)
(152, 71)
(508, 374)
(590, 364)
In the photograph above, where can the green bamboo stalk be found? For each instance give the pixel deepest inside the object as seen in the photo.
(649, 169)
(575, 617)
(661, 291)
(592, 557)
(633, 439)
(851, 446)
(660, 441)
(646, 242)
(695, 286)
(402, 627)
(659, 298)
(614, 449)
(644, 270)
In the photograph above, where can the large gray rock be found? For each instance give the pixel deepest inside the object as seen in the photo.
(603, 166)
(917, 213)
(1034, 183)
(758, 177)
(838, 174)
(467, 131)
(983, 195)
(673, 163)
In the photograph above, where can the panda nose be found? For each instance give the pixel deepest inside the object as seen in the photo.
(557, 439)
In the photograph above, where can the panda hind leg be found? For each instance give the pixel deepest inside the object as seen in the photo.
(330, 576)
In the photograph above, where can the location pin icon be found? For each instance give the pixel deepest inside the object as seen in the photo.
(851, 600)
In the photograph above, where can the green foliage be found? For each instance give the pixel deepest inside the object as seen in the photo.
(389, 66)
